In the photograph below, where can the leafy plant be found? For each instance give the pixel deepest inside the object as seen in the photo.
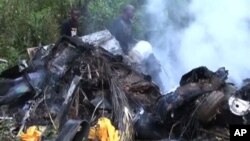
(26, 23)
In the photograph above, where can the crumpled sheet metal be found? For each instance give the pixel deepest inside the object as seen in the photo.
(190, 89)
(43, 71)
(74, 130)
(105, 40)
(141, 93)
(61, 117)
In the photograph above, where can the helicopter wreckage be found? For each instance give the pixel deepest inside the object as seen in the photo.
(71, 84)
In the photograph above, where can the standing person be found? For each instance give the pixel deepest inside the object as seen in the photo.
(70, 26)
(121, 28)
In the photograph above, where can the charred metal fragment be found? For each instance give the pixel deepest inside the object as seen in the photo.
(74, 130)
(61, 117)
(195, 83)
(44, 71)
(201, 74)
(111, 87)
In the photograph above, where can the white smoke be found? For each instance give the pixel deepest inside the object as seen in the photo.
(217, 36)
(165, 37)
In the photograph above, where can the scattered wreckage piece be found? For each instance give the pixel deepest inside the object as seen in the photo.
(140, 57)
(103, 39)
(42, 71)
(209, 107)
(110, 87)
(61, 117)
(74, 130)
(239, 103)
(194, 84)
(101, 66)
(238, 106)
(172, 112)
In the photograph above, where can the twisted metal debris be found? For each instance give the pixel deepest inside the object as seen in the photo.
(73, 83)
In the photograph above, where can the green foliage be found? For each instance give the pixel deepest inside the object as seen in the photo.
(3, 67)
(5, 130)
(102, 12)
(26, 23)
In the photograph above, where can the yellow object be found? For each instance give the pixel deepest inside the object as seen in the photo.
(104, 131)
(32, 134)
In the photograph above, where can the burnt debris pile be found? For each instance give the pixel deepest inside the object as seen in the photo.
(68, 86)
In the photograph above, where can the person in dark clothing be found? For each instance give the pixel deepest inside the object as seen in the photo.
(70, 26)
(121, 28)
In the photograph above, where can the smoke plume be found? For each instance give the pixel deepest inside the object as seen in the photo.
(188, 34)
